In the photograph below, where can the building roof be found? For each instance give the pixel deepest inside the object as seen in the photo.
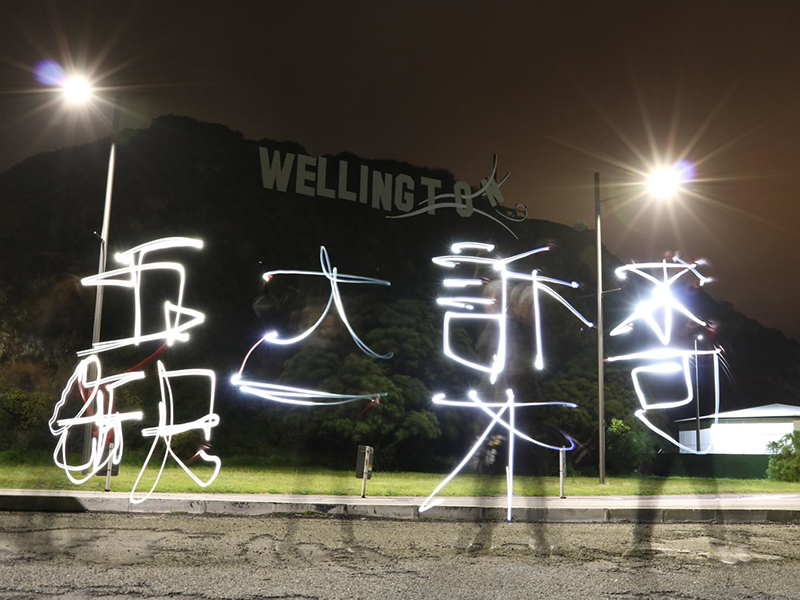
(768, 411)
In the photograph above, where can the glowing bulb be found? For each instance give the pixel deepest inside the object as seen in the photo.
(665, 182)
(76, 90)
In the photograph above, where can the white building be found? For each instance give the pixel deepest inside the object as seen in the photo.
(746, 431)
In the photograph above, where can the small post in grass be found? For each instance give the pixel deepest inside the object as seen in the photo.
(364, 467)
(109, 468)
(562, 469)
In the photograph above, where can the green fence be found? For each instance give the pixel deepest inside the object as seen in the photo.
(735, 466)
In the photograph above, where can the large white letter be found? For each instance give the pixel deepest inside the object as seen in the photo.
(363, 188)
(322, 176)
(463, 198)
(304, 176)
(275, 170)
(431, 185)
(381, 190)
(404, 193)
(344, 193)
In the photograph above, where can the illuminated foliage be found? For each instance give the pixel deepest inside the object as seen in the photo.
(784, 464)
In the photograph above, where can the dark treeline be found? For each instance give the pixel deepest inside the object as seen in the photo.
(180, 177)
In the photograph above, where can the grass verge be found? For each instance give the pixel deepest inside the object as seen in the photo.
(286, 480)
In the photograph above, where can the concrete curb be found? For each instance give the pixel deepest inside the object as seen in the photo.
(534, 510)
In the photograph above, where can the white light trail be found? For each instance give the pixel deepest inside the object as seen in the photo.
(497, 419)
(669, 360)
(107, 422)
(167, 428)
(538, 285)
(662, 298)
(496, 315)
(130, 276)
(462, 283)
(301, 396)
(294, 395)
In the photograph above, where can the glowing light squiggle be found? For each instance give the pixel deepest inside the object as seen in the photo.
(470, 303)
(107, 422)
(671, 361)
(167, 428)
(487, 184)
(538, 285)
(301, 396)
(662, 298)
(497, 419)
(130, 276)
(298, 396)
(456, 205)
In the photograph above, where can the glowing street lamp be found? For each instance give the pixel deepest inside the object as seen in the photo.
(663, 183)
(77, 90)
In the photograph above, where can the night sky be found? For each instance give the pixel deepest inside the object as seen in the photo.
(557, 92)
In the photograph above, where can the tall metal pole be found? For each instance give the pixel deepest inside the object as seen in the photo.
(101, 267)
(601, 409)
(697, 388)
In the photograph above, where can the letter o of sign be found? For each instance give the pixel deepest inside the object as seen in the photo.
(463, 196)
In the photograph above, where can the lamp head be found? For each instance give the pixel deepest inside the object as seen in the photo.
(77, 90)
(663, 183)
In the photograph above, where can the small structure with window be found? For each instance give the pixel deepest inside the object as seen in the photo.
(746, 431)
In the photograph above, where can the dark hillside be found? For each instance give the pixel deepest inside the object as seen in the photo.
(181, 177)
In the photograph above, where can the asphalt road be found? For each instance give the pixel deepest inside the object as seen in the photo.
(191, 556)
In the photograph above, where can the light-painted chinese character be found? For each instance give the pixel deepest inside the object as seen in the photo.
(486, 299)
(302, 396)
(665, 361)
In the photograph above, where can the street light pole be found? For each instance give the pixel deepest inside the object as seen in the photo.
(663, 183)
(697, 392)
(601, 409)
(101, 267)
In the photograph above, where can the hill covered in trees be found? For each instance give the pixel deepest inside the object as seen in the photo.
(180, 177)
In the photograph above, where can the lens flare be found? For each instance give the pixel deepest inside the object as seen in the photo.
(48, 72)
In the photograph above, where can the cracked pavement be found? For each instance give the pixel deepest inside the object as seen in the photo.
(192, 557)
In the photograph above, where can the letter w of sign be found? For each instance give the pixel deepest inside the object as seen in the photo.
(275, 171)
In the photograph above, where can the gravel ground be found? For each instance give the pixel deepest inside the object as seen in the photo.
(185, 556)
